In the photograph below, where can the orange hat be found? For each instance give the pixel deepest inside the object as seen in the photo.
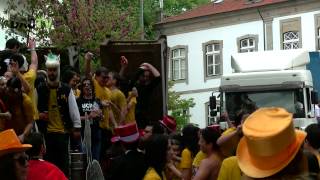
(10, 143)
(270, 142)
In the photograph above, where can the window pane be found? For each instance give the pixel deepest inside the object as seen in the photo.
(175, 53)
(209, 60)
(209, 48)
(295, 45)
(217, 69)
(182, 52)
(251, 42)
(244, 43)
(182, 64)
(210, 70)
(217, 59)
(183, 74)
(176, 64)
(176, 74)
(216, 47)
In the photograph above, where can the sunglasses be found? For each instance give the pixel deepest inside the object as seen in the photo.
(86, 84)
(22, 160)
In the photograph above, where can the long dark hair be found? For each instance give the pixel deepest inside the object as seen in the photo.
(7, 167)
(156, 152)
(82, 86)
(15, 90)
(190, 138)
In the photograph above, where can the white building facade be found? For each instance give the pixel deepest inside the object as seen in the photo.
(202, 40)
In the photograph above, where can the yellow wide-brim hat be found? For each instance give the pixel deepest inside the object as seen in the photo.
(10, 143)
(269, 144)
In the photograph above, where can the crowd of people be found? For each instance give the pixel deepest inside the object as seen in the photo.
(43, 115)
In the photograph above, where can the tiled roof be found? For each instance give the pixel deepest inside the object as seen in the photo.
(223, 7)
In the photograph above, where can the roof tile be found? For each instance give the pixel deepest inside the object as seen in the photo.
(225, 6)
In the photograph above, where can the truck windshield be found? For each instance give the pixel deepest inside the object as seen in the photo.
(292, 100)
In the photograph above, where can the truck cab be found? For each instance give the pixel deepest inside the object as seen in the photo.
(270, 79)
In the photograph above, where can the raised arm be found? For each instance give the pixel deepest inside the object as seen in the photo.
(87, 64)
(124, 65)
(34, 56)
(152, 69)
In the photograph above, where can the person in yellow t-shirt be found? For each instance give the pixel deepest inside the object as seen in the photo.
(131, 106)
(190, 139)
(156, 157)
(102, 93)
(229, 169)
(118, 99)
(27, 74)
(20, 106)
(173, 169)
(230, 138)
(58, 108)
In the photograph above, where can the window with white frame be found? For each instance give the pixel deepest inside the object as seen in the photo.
(290, 33)
(247, 45)
(213, 59)
(291, 40)
(178, 63)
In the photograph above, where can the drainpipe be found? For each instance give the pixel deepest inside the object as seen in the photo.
(264, 30)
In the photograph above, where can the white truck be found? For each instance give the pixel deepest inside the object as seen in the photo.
(270, 79)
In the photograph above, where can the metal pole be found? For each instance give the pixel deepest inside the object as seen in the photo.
(141, 20)
(161, 9)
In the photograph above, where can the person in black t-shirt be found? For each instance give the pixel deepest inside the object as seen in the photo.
(146, 79)
(87, 103)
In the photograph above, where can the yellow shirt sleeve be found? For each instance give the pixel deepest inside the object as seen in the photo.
(229, 169)
(121, 100)
(28, 108)
(151, 174)
(186, 159)
(199, 157)
(228, 131)
(30, 77)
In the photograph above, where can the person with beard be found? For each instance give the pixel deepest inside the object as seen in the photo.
(59, 114)
(20, 106)
(146, 80)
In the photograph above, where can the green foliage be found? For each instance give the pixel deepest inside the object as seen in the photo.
(175, 7)
(86, 22)
(152, 12)
(82, 22)
(179, 107)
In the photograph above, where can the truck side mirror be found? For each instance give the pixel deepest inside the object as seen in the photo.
(314, 97)
(212, 102)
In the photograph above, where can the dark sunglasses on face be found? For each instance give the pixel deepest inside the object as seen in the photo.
(86, 84)
(22, 160)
